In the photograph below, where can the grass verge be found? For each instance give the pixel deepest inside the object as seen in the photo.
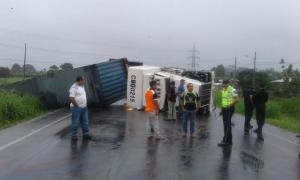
(281, 112)
(16, 108)
(11, 80)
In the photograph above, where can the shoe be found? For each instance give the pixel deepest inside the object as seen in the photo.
(260, 138)
(255, 131)
(250, 127)
(74, 138)
(194, 136)
(87, 137)
(159, 138)
(298, 136)
(246, 132)
(149, 137)
(222, 144)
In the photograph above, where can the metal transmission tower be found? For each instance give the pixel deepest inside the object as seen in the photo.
(194, 58)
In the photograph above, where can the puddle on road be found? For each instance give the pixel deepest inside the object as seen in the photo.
(251, 160)
(104, 131)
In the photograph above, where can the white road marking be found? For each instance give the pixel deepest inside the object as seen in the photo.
(283, 139)
(32, 133)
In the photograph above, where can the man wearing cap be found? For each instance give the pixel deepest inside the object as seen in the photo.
(229, 98)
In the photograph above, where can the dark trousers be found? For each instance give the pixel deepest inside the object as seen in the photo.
(227, 114)
(260, 118)
(248, 115)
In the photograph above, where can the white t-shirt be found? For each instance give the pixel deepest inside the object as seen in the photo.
(79, 94)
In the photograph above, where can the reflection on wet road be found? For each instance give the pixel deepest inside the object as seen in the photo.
(121, 151)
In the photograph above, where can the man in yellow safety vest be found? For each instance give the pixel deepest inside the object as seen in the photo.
(228, 100)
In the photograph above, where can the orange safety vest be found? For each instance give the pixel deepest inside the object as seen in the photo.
(151, 104)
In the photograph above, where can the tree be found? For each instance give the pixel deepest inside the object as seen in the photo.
(262, 78)
(66, 66)
(53, 68)
(29, 69)
(16, 69)
(245, 78)
(4, 72)
(219, 70)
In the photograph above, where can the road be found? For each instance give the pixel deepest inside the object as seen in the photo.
(41, 149)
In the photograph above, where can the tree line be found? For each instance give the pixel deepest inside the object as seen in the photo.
(287, 84)
(30, 70)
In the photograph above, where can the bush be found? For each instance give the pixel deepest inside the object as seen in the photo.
(16, 107)
(4, 72)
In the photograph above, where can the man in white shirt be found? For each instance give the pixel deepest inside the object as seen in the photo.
(79, 109)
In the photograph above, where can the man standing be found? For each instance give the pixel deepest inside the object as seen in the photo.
(152, 124)
(79, 109)
(228, 100)
(260, 100)
(172, 95)
(249, 107)
(180, 92)
(190, 104)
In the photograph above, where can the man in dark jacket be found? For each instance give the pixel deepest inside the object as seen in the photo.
(172, 95)
(260, 99)
(249, 107)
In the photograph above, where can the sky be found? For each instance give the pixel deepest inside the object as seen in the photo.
(156, 32)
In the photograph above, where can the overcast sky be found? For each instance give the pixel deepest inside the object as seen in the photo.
(156, 32)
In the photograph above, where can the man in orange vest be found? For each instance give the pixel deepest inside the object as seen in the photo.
(152, 124)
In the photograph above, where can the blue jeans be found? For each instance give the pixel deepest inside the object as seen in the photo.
(189, 116)
(79, 115)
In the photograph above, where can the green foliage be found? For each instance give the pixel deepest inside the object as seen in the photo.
(10, 80)
(16, 107)
(4, 72)
(281, 112)
(53, 68)
(262, 78)
(291, 85)
(219, 70)
(16, 69)
(66, 66)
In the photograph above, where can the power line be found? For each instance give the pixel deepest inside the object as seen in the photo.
(25, 52)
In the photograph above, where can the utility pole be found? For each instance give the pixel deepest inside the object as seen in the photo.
(194, 57)
(235, 67)
(254, 70)
(24, 71)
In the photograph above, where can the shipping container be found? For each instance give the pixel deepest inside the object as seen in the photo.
(105, 84)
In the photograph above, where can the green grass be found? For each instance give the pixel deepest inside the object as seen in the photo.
(281, 112)
(10, 80)
(15, 108)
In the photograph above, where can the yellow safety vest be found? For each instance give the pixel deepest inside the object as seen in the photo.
(227, 97)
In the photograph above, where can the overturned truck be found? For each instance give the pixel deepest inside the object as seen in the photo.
(106, 83)
(140, 76)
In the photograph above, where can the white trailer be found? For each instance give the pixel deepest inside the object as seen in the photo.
(139, 78)
(135, 85)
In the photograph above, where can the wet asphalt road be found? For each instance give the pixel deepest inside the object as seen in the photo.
(41, 149)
